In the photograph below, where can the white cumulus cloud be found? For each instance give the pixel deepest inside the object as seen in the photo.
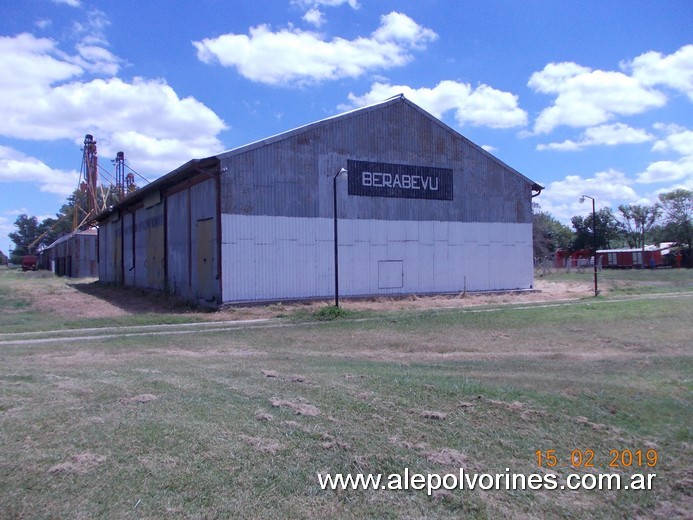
(28, 61)
(481, 106)
(677, 140)
(603, 135)
(71, 3)
(92, 30)
(669, 171)
(97, 60)
(293, 56)
(674, 71)
(329, 3)
(45, 95)
(16, 166)
(398, 27)
(586, 97)
(609, 185)
(609, 188)
(314, 17)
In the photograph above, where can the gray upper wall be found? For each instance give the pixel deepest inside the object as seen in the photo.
(291, 174)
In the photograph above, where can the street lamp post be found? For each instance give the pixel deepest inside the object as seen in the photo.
(594, 233)
(336, 243)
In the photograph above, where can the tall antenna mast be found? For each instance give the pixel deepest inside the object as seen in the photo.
(120, 175)
(90, 171)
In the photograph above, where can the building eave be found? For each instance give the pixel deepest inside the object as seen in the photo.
(173, 177)
(68, 236)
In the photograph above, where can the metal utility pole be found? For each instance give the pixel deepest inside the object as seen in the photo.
(594, 233)
(336, 243)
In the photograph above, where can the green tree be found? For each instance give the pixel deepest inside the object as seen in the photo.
(609, 231)
(54, 228)
(637, 221)
(3, 258)
(677, 207)
(31, 236)
(73, 211)
(548, 234)
(28, 230)
(76, 209)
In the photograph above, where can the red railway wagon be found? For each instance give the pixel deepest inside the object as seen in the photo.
(631, 258)
(29, 263)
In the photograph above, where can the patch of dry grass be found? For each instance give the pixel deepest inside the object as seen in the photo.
(240, 423)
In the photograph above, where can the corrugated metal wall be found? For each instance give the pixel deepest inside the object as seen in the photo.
(107, 266)
(128, 248)
(74, 255)
(155, 260)
(192, 259)
(269, 258)
(84, 256)
(205, 287)
(178, 232)
(140, 274)
(153, 244)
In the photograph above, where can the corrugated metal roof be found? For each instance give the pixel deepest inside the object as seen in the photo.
(358, 111)
(298, 130)
(65, 238)
(171, 178)
(663, 246)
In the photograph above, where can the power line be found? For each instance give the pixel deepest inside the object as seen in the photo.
(133, 171)
(104, 170)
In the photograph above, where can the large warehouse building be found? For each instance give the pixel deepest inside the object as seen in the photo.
(420, 210)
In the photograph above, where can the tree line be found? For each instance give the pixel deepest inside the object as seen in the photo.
(633, 226)
(32, 235)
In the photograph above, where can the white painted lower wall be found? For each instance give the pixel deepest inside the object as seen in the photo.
(267, 258)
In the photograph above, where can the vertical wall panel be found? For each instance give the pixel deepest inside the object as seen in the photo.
(128, 249)
(156, 256)
(203, 207)
(178, 243)
(141, 248)
(107, 251)
(205, 252)
(118, 251)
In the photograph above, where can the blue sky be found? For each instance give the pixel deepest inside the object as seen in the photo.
(586, 97)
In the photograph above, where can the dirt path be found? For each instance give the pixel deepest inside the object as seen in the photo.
(89, 334)
(89, 299)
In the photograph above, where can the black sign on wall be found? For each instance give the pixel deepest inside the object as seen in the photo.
(370, 179)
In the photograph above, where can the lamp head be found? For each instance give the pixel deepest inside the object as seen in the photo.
(343, 172)
(582, 199)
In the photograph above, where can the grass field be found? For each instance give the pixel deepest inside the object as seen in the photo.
(232, 421)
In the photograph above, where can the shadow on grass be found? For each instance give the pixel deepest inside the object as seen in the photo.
(137, 300)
